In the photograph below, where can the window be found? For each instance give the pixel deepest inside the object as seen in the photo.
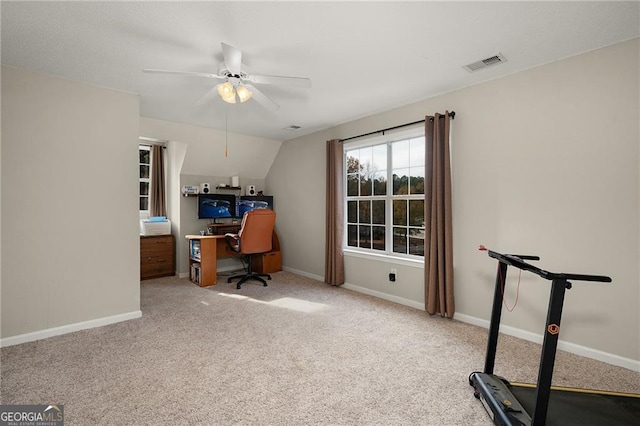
(385, 196)
(145, 173)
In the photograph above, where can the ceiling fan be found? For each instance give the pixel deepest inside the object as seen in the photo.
(238, 86)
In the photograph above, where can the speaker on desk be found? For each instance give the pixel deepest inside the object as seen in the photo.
(205, 188)
(251, 190)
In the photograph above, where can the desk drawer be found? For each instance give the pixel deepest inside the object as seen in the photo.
(267, 263)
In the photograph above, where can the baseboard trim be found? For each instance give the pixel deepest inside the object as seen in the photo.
(303, 273)
(385, 296)
(573, 348)
(69, 328)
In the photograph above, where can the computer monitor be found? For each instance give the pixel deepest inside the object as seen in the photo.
(251, 202)
(216, 206)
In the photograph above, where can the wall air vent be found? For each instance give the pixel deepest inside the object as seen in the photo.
(484, 63)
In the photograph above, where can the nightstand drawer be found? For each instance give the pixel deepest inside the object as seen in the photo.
(157, 256)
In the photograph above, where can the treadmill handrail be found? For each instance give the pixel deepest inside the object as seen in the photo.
(518, 262)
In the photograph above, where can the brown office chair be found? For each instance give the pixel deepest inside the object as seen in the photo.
(254, 237)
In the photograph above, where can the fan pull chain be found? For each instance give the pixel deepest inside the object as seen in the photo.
(226, 131)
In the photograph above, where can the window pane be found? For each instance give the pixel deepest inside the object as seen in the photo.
(364, 209)
(378, 212)
(378, 238)
(380, 157)
(400, 154)
(365, 236)
(366, 171)
(145, 156)
(144, 188)
(400, 181)
(399, 212)
(400, 240)
(416, 212)
(144, 172)
(353, 162)
(417, 180)
(416, 149)
(380, 183)
(144, 203)
(352, 185)
(416, 242)
(366, 184)
(352, 211)
(352, 235)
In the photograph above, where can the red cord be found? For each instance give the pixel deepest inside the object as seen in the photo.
(504, 302)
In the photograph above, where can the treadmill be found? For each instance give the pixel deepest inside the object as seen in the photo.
(542, 404)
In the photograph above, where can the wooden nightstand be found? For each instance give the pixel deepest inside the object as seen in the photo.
(157, 256)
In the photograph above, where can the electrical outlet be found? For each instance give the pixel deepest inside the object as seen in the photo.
(392, 275)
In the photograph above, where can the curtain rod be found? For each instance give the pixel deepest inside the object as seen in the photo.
(452, 114)
(153, 144)
(146, 141)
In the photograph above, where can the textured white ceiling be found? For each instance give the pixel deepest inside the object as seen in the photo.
(362, 57)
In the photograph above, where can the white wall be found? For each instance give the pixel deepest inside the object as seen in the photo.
(69, 206)
(544, 162)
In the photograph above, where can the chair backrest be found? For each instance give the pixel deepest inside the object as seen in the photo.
(256, 231)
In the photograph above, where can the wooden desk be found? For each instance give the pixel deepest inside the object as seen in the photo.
(204, 252)
(214, 247)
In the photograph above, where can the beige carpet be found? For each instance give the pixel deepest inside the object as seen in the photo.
(295, 353)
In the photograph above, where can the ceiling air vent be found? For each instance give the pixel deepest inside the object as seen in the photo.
(484, 63)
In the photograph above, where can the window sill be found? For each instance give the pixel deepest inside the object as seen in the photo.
(385, 258)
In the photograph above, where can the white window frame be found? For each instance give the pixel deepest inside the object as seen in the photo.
(388, 253)
(144, 214)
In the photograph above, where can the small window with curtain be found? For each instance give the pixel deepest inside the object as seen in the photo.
(145, 177)
(385, 196)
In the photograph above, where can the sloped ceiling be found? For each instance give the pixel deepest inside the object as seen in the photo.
(211, 152)
(362, 57)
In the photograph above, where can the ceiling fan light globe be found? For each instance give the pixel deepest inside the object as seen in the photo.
(230, 99)
(225, 89)
(227, 92)
(244, 94)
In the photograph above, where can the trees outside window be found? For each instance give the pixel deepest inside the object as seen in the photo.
(385, 197)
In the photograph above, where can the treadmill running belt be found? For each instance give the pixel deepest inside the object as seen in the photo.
(583, 409)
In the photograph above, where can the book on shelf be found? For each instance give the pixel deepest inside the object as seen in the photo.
(194, 249)
(195, 275)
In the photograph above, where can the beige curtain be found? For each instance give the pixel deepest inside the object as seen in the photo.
(157, 197)
(334, 259)
(438, 250)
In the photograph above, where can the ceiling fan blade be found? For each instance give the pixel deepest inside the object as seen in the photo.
(279, 80)
(232, 58)
(208, 97)
(189, 73)
(261, 98)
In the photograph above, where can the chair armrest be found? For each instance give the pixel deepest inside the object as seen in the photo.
(233, 241)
